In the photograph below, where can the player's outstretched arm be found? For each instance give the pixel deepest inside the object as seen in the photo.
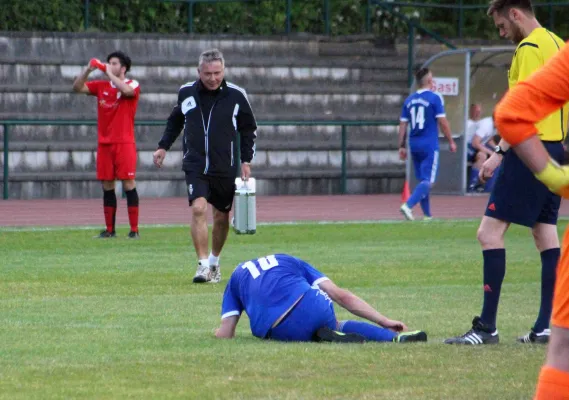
(227, 328)
(359, 307)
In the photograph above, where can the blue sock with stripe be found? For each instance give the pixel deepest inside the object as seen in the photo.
(421, 190)
(426, 206)
(371, 332)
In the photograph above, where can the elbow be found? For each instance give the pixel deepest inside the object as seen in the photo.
(128, 92)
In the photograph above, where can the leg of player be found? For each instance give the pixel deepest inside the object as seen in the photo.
(129, 187)
(491, 237)
(547, 242)
(479, 159)
(218, 238)
(200, 234)
(374, 333)
(109, 208)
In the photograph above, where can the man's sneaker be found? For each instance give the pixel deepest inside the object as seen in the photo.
(427, 219)
(202, 274)
(479, 334)
(536, 337)
(414, 336)
(105, 235)
(133, 235)
(326, 334)
(407, 212)
(214, 273)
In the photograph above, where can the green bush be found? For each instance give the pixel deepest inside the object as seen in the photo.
(257, 17)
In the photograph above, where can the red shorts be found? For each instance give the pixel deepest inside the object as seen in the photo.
(116, 161)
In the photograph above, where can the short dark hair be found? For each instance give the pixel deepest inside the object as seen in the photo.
(505, 5)
(124, 60)
(421, 73)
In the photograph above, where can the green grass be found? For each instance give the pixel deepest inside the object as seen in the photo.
(84, 318)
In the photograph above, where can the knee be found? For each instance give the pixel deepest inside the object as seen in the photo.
(429, 184)
(220, 218)
(108, 185)
(486, 238)
(128, 184)
(199, 208)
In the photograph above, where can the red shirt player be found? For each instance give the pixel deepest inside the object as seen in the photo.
(116, 151)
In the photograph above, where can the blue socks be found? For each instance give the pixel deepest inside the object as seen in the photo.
(473, 181)
(421, 191)
(426, 206)
(369, 331)
(549, 259)
(494, 272)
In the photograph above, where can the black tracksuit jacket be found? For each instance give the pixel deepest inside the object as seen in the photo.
(211, 121)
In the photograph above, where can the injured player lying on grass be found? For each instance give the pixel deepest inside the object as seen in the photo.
(287, 299)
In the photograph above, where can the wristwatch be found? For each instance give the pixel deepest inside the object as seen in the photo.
(499, 150)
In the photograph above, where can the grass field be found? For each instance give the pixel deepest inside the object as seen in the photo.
(84, 318)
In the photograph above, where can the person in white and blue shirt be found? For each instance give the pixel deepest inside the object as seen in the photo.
(423, 113)
(287, 299)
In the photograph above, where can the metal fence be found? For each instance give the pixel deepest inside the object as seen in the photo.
(343, 124)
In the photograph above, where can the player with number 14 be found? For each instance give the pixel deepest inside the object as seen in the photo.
(423, 112)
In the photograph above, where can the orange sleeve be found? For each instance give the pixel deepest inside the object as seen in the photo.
(529, 101)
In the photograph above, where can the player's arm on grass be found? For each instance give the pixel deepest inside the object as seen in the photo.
(227, 328)
(79, 85)
(528, 103)
(359, 307)
(231, 309)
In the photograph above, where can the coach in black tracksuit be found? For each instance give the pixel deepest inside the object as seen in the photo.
(212, 113)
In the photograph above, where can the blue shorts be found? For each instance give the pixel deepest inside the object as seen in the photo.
(518, 197)
(314, 311)
(426, 163)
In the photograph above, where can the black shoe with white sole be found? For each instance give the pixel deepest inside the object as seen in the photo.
(480, 333)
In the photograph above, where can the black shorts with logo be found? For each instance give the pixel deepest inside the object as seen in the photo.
(518, 197)
(217, 190)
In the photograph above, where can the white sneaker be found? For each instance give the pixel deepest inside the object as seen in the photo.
(407, 212)
(202, 274)
(215, 273)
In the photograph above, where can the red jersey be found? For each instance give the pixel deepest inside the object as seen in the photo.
(115, 112)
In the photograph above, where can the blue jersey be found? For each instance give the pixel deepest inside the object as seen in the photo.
(421, 111)
(266, 288)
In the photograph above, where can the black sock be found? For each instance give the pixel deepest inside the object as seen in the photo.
(110, 208)
(131, 198)
(494, 272)
(549, 259)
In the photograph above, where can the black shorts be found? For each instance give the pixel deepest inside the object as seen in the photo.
(518, 197)
(217, 190)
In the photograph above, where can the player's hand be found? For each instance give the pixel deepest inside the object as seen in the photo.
(396, 326)
(402, 153)
(158, 157)
(245, 171)
(489, 166)
(452, 146)
(556, 178)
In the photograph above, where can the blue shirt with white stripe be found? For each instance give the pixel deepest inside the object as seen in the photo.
(266, 288)
(421, 110)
